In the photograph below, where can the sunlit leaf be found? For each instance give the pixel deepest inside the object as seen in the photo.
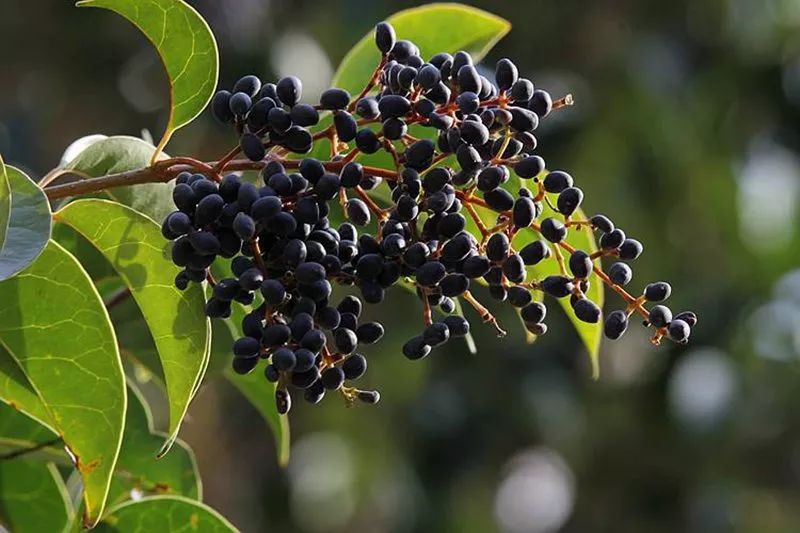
(56, 329)
(186, 47)
(136, 343)
(79, 145)
(134, 246)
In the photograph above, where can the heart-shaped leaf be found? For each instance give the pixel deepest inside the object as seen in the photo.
(163, 513)
(34, 497)
(56, 329)
(121, 154)
(433, 28)
(187, 49)
(24, 221)
(137, 468)
(133, 245)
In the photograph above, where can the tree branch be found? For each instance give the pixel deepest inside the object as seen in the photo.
(167, 169)
(131, 177)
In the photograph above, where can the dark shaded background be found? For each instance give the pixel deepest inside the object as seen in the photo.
(685, 130)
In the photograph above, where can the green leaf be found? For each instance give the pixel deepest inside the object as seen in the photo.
(137, 468)
(255, 387)
(54, 325)
(458, 27)
(136, 343)
(79, 145)
(24, 222)
(33, 497)
(163, 513)
(137, 251)
(121, 154)
(187, 49)
(90, 259)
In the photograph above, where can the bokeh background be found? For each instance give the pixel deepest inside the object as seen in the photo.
(685, 130)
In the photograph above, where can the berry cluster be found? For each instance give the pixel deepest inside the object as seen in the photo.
(433, 235)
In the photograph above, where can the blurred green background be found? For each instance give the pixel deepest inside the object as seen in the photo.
(685, 131)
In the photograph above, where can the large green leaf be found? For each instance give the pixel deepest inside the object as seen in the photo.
(136, 343)
(163, 513)
(33, 497)
(187, 49)
(433, 28)
(54, 325)
(138, 469)
(24, 222)
(77, 146)
(255, 387)
(134, 246)
(121, 154)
